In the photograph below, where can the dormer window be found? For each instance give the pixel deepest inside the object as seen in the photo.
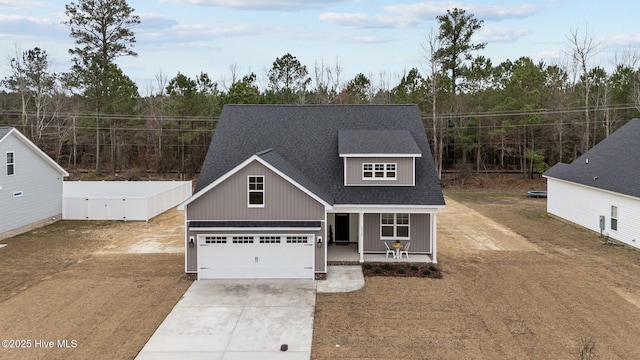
(379, 171)
(256, 191)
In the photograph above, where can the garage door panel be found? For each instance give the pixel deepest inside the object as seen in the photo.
(234, 257)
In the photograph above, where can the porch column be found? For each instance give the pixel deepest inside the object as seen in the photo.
(361, 236)
(434, 237)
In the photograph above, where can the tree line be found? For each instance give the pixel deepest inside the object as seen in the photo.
(518, 115)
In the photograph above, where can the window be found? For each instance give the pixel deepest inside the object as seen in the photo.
(378, 171)
(614, 218)
(394, 226)
(256, 191)
(11, 166)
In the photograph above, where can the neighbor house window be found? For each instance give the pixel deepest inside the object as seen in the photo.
(394, 226)
(11, 166)
(614, 218)
(379, 171)
(256, 191)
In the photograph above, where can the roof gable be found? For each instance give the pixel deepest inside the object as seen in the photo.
(5, 132)
(610, 165)
(321, 197)
(306, 136)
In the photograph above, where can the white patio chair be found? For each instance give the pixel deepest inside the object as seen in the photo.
(405, 250)
(389, 251)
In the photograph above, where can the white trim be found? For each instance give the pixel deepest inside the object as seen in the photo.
(591, 187)
(200, 229)
(381, 208)
(239, 167)
(361, 235)
(379, 155)
(249, 204)
(344, 170)
(413, 183)
(37, 150)
(434, 238)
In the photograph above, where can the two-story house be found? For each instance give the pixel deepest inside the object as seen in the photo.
(279, 180)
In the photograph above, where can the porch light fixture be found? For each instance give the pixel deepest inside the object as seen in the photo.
(191, 242)
(319, 242)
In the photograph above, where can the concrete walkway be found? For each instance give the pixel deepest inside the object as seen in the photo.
(246, 319)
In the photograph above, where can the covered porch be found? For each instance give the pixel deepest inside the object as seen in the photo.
(358, 234)
(348, 254)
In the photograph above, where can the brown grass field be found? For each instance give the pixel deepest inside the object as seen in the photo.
(517, 284)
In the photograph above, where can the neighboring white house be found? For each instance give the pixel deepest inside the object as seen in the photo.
(30, 185)
(600, 190)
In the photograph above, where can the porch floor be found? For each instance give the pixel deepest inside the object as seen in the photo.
(349, 254)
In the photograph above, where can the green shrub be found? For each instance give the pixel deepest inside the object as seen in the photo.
(415, 267)
(401, 271)
(426, 272)
(433, 268)
(387, 266)
(378, 271)
(367, 266)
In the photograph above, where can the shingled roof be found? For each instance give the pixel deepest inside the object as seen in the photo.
(610, 165)
(4, 130)
(304, 143)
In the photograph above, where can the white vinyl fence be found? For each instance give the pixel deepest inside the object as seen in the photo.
(121, 200)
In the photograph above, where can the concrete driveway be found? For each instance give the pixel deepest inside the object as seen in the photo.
(238, 319)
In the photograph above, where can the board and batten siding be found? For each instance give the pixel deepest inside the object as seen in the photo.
(228, 200)
(39, 182)
(404, 171)
(419, 234)
(584, 205)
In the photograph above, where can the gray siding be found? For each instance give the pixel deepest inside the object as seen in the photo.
(419, 233)
(39, 182)
(404, 171)
(228, 200)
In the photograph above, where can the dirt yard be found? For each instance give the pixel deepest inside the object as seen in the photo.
(97, 290)
(517, 284)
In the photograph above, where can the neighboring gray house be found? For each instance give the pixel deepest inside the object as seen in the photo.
(278, 180)
(600, 190)
(30, 185)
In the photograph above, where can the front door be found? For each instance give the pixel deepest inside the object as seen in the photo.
(342, 227)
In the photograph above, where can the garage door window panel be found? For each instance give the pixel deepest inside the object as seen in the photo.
(256, 191)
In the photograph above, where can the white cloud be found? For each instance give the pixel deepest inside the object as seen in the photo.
(366, 21)
(429, 10)
(492, 34)
(269, 5)
(622, 40)
(192, 34)
(18, 25)
(155, 21)
(24, 4)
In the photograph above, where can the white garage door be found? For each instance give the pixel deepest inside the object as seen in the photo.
(255, 256)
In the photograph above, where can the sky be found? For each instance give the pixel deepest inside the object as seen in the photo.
(379, 38)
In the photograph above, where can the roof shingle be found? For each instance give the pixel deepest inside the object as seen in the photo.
(610, 165)
(305, 137)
